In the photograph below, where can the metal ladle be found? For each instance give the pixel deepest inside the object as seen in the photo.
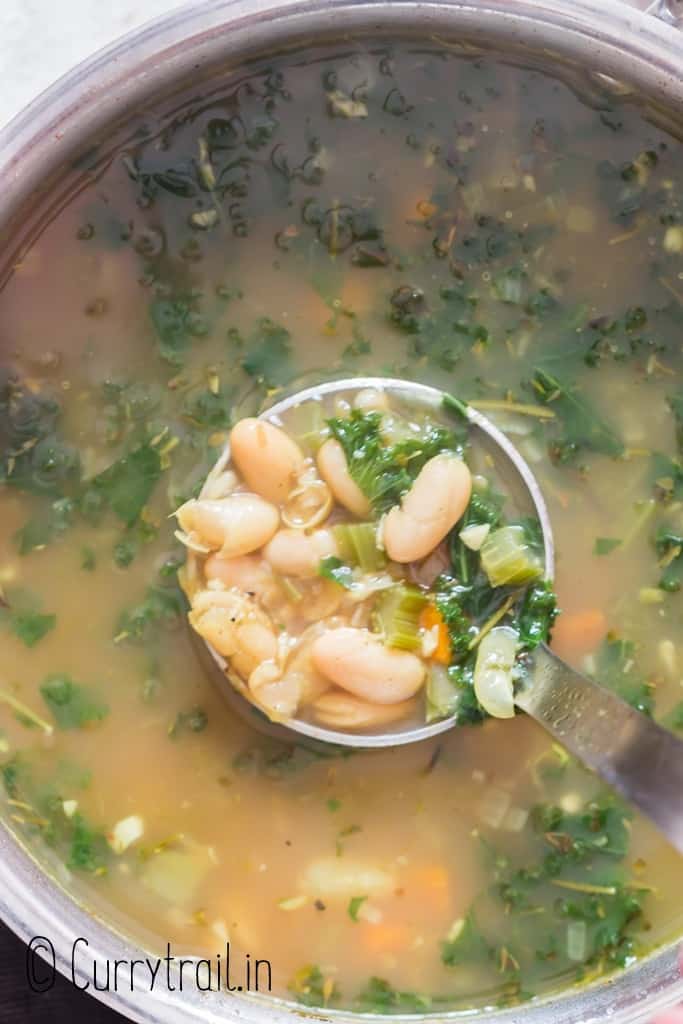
(634, 755)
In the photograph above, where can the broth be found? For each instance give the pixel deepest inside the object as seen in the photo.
(396, 211)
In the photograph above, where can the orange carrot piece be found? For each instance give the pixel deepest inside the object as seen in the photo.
(386, 938)
(578, 633)
(430, 617)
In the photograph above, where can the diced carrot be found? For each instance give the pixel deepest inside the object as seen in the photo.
(431, 617)
(386, 938)
(578, 633)
(431, 876)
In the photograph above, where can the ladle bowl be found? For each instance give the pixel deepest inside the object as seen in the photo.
(639, 758)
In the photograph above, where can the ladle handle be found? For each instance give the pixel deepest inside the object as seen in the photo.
(639, 758)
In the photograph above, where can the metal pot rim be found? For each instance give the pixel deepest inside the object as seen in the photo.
(621, 43)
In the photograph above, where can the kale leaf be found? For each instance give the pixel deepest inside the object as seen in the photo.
(268, 356)
(615, 667)
(72, 705)
(127, 485)
(583, 428)
(176, 323)
(379, 996)
(384, 472)
(669, 546)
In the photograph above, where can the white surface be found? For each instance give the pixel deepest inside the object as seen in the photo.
(41, 39)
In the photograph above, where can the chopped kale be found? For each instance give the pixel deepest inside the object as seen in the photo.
(332, 568)
(669, 547)
(39, 531)
(674, 720)
(310, 988)
(23, 616)
(582, 427)
(127, 485)
(89, 850)
(176, 323)
(379, 996)
(536, 615)
(384, 472)
(195, 720)
(615, 667)
(355, 903)
(161, 607)
(464, 944)
(676, 405)
(605, 545)
(268, 356)
(83, 846)
(73, 706)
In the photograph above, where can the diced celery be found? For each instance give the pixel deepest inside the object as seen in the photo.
(357, 545)
(397, 615)
(507, 559)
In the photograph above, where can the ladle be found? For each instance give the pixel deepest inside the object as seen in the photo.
(634, 755)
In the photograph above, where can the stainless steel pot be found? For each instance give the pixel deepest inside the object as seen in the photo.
(626, 48)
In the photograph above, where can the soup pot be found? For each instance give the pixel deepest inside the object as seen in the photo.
(612, 44)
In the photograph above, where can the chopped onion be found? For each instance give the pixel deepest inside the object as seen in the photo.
(494, 806)
(293, 903)
(125, 832)
(69, 807)
(576, 941)
(493, 682)
(515, 819)
(474, 536)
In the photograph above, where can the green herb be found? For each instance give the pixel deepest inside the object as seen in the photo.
(536, 615)
(332, 568)
(583, 427)
(177, 323)
(333, 804)
(676, 405)
(21, 612)
(379, 996)
(88, 559)
(83, 846)
(605, 545)
(195, 720)
(355, 903)
(384, 472)
(38, 532)
(127, 485)
(344, 833)
(669, 546)
(269, 354)
(464, 944)
(674, 720)
(73, 706)
(616, 668)
(162, 606)
(310, 988)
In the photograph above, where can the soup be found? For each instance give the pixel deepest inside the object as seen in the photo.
(394, 210)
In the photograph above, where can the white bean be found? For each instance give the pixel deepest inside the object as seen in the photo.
(235, 525)
(430, 509)
(277, 695)
(237, 628)
(340, 710)
(248, 573)
(371, 400)
(295, 553)
(335, 472)
(267, 459)
(359, 662)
